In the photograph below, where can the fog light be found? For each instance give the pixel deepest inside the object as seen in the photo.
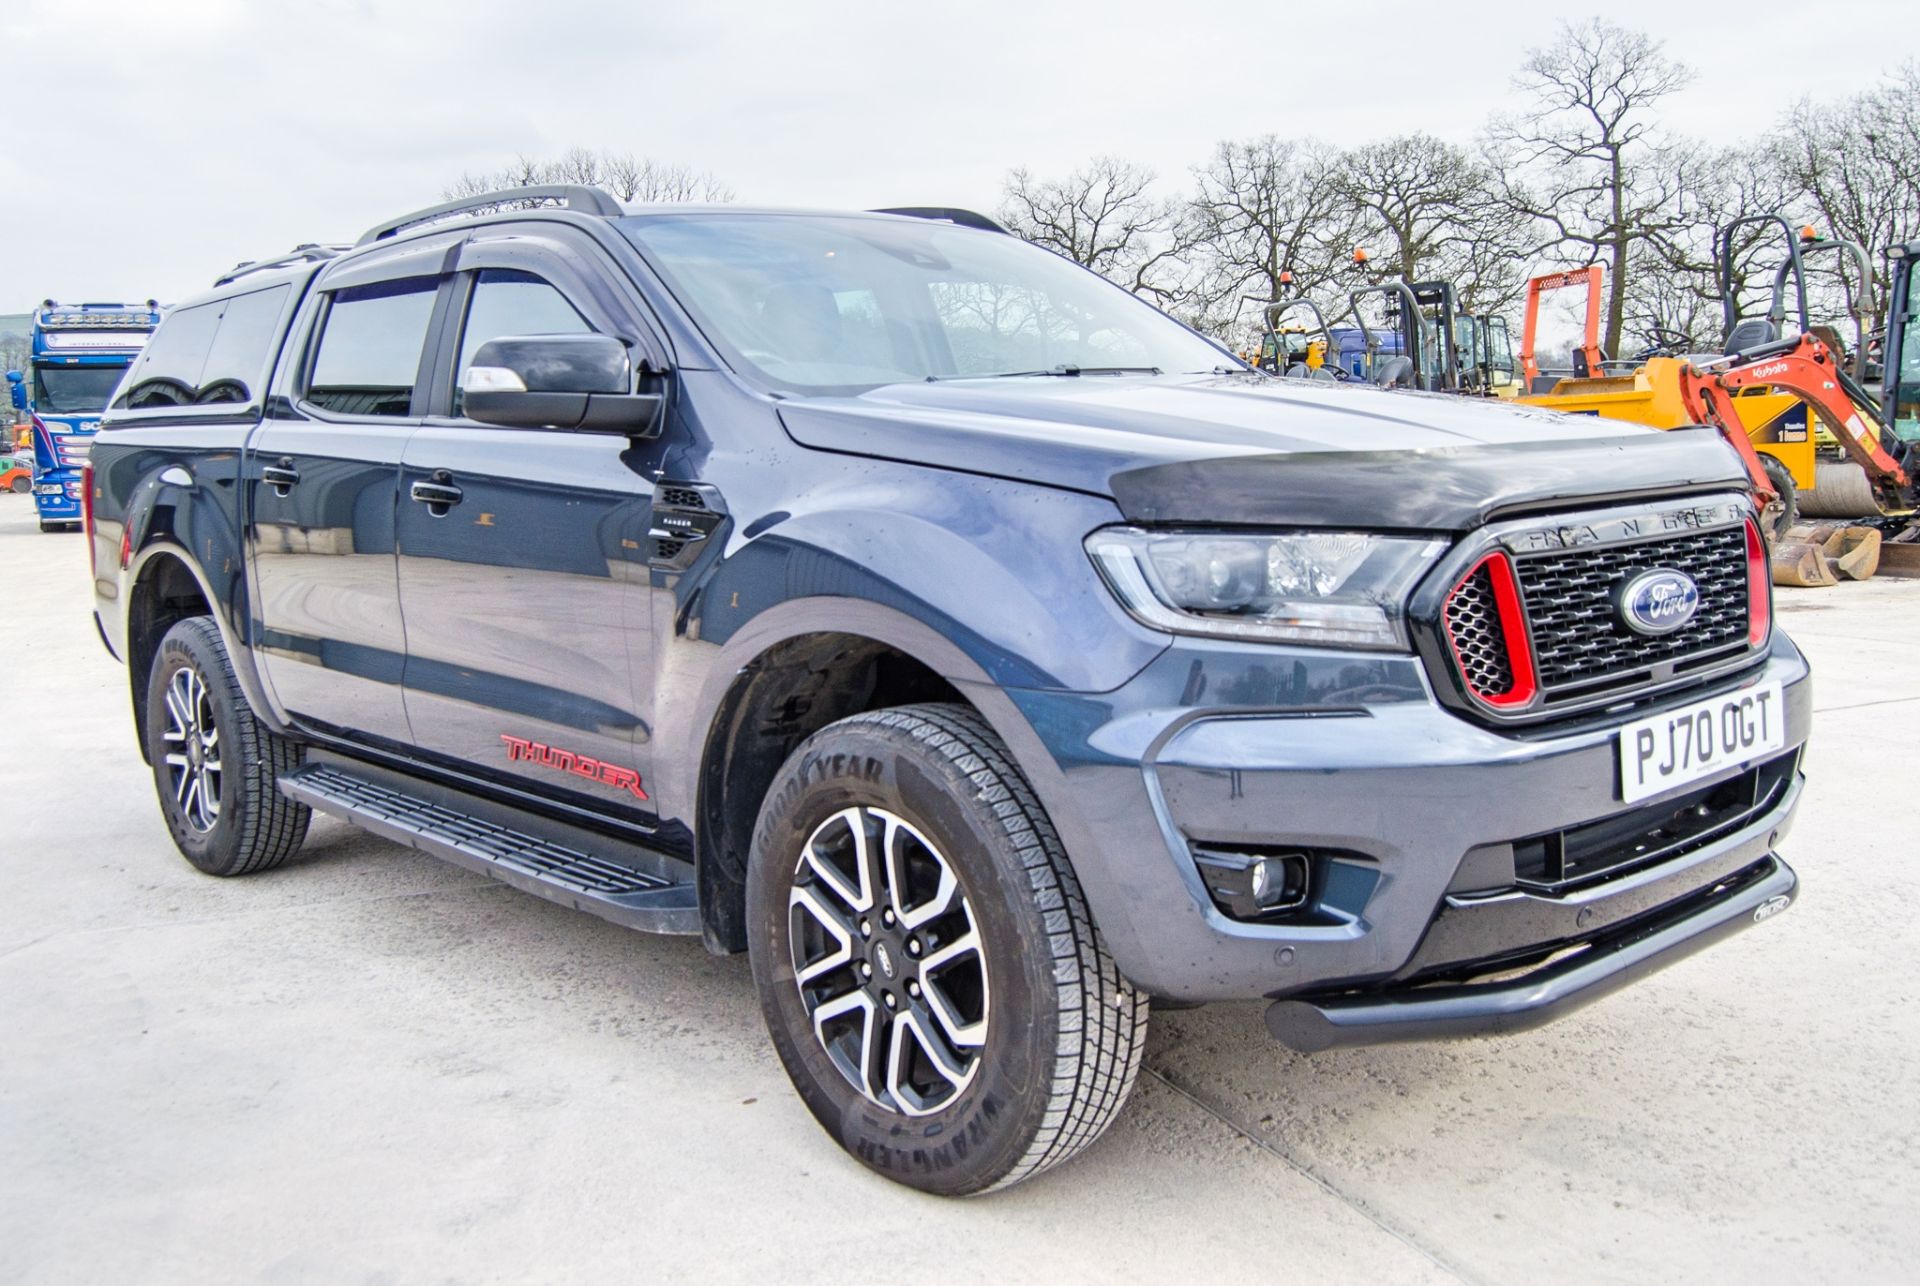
(1255, 886)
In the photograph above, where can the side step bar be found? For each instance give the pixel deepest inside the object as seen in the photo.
(650, 900)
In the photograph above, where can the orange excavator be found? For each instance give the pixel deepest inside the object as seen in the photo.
(1804, 366)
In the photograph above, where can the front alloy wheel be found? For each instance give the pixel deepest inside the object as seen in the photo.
(930, 974)
(887, 958)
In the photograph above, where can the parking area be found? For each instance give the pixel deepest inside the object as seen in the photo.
(369, 1066)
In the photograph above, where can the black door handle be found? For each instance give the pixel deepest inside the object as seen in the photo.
(437, 495)
(282, 477)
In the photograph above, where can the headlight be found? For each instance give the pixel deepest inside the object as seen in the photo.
(1340, 588)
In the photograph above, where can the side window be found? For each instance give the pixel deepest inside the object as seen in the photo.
(368, 358)
(236, 368)
(209, 354)
(507, 302)
(168, 372)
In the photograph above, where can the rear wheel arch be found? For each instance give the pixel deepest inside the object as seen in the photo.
(165, 586)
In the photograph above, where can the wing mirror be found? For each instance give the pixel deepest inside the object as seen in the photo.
(578, 382)
(16, 388)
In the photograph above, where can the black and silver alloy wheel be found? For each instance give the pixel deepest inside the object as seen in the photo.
(887, 959)
(216, 767)
(193, 756)
(930, 975)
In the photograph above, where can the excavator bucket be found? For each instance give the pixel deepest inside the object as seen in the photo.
(1819, 554)
(1797, 562)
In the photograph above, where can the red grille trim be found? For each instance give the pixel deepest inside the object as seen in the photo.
(1512, 622)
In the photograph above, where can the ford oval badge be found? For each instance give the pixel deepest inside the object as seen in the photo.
(1657, 602)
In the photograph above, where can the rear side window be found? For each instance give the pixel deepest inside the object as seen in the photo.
(368, 358)
(208, 354)
(237, 363)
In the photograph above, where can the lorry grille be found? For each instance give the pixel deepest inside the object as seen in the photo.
(1579, 642)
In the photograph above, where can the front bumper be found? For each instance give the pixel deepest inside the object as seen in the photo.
(56, 494)
(1594, 968)
(1357, 759)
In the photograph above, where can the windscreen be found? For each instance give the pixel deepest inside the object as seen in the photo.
(74, 390)
(819, 304)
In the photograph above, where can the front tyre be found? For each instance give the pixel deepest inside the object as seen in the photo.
(216, 767)
(925, 960)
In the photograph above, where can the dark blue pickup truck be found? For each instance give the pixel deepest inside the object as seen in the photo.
(984, 653)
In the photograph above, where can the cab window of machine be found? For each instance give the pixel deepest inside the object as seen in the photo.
(510, 302)
(367, 360)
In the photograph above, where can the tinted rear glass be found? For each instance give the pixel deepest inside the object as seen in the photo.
(216, 353)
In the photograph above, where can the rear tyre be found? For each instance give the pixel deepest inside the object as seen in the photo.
(20, 486)
(216, 766)
(927, 966)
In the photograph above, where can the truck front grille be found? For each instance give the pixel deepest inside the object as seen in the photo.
(1528, 620)
(1580, 644)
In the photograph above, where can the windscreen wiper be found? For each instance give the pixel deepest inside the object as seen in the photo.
(1063, 370)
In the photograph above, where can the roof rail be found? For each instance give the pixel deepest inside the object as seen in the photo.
(310, 252)
(573, 196)
(946, 214)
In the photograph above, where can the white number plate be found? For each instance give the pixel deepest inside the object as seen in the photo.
(1670, 750)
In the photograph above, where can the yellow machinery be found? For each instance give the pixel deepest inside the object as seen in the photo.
(1651, 394)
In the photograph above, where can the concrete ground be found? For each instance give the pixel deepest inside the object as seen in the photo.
(371, 1067)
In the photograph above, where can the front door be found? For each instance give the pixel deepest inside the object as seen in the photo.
(522, 562)
(324, 482)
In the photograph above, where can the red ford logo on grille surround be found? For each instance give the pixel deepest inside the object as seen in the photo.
(1657, 602)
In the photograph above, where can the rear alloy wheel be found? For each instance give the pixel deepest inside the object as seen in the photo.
(216, 767)
(929, 972)
(192, 761)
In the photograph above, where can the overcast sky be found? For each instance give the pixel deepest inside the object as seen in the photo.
(156, 142)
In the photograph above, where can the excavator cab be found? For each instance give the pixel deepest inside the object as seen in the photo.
(1900, 351)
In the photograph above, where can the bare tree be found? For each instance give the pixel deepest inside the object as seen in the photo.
(1857, 164)
(1436, 212)
(625, 176)
(1586, 160)
(1267, 223)
(1104, 216)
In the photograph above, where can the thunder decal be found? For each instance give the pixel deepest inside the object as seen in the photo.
(593, 770)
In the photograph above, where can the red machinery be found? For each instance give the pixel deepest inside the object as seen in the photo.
(1804, 367)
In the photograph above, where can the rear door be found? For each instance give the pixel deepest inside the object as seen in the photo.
(324, 477)
(522, 552)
